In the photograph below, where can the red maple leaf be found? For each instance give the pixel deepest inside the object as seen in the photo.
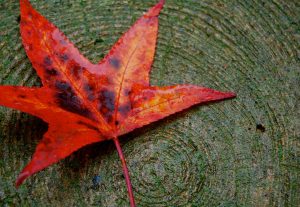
(85, 103)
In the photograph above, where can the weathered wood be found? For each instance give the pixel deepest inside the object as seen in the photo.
(242, 152)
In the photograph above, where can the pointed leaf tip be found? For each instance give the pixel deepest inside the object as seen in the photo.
(154, 11)
(162, 2)
(21, 178)
(232, 94)
(24, 2)
(229, 94)
(214, 95)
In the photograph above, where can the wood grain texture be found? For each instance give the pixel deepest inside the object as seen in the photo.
(241, 152)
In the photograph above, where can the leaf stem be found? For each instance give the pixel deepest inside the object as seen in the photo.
(126, 172)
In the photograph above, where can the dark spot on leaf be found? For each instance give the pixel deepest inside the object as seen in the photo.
(125, 109)
(107, 99)
(91, 97)
(260, 127)
(117, 123)
(68, 100)
(127, 92)
(107, 103)
(22, 96)
(47, 61)
(63, 86)
(63, 57)
(88, 125)
(89, 89)
(52, 72)
(63, 42)
(115, 63)
(76, 70)
(109, 118)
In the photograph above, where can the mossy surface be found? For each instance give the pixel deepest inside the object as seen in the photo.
(240, 152)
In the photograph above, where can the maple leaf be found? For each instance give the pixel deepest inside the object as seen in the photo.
(84, 103)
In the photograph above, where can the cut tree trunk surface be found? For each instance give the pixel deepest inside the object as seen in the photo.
(240, 152)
